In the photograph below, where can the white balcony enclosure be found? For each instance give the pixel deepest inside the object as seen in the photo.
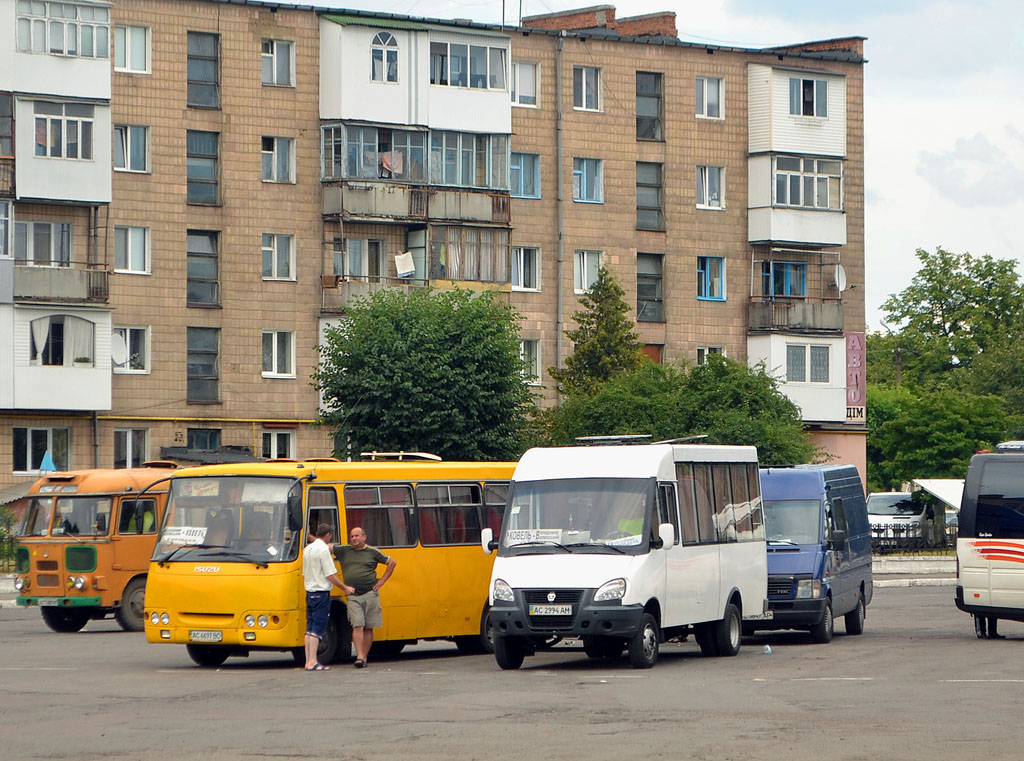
(773, 127)
(819, 401)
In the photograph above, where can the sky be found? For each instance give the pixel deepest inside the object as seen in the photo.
(944, 108)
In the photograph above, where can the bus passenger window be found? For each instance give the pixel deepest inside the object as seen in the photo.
(449, 513)
(383, 512)
(687, 505)
(705, 504)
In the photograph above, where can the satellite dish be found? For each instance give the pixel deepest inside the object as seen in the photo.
(840, 278)
(118, 349)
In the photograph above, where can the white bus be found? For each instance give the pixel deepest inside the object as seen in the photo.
(990, 542)
(627, 546)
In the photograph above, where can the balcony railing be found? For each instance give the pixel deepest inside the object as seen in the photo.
(782, 315)
(72, 281)
(338, 292)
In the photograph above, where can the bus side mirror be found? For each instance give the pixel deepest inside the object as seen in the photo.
(666, 536)
(487, 543)
(838, 540)
(295, 510)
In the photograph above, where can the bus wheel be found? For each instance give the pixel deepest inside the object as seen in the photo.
(705, 637)
(509, 652)
(65, 620)
(329, 650)
(643, 646)
(855, 618)
(821, 632)
(208, 656)
(475, 644)
(727, 632)
(131, 614)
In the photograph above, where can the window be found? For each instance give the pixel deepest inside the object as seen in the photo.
(31, 445)
(586, 180)
(709, 97)
(524, 83)
(6, 125)
(61, 340)
(203, 367)
(525, 268)
(586, 88)
(783, 279)
(813, 183)
(131, 49)
(203, 268)
(649, 304)
(277, 159)
(278, 444)
(278, 257)
(203, 70)
(136, 343)
(808, 97)
(276, 62)
(374, 152)
(529, 352)
(703, 352)
(470, 253)
(709, 187)
(131, 249)
(449, 513)
(64, 130)
(525, 175)
(468, 159)
(384, 58)
(361, 259)
(460, 65)
(585, 272)
(5, 227)
(648, 106)
(63, 29)
(801, 357)
(201, 148)
(131, 148)
(129, 448)
(278, 354)
(711, 278)
(204, 439)
(384, 512)
(43, 244)
(648, 196)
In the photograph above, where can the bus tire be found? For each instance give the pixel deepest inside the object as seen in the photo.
(65, 620)
(855, 618)
(475, 644)
(207, 656)
(821, 632)
(509, 652)
(643, 646)
(330, 648)
(705, 637)
(131, 613)
(728, 632)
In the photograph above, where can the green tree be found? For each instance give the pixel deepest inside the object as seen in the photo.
(604, 344)
(728, 401)
(433, 371)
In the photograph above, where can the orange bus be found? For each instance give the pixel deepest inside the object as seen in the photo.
(86, 543)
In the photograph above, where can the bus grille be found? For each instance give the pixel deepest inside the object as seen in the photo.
(562, 597)
(46, 565)
(48, 580)
(780, 586)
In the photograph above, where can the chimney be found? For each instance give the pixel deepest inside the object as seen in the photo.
(594, 17)
(662, 24)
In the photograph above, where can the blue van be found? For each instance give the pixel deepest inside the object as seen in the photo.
(819, 549)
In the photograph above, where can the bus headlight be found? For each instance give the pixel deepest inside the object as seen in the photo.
(250, 620)
(165, 619)
(612, 590)
(808, 588)
(154, 618)
(76, 582)
(503, 592)
(262, 621)
(21, 583)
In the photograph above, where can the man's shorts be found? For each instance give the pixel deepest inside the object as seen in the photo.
(318, 605)
(364, 610)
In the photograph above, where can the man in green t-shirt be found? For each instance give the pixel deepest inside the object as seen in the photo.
(359, 563)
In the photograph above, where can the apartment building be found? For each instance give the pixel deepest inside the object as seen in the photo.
(255, 166)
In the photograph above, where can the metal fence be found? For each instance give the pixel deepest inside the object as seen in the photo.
(908, 540)
(7, 544)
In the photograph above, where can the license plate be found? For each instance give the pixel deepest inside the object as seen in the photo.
(551, 610)
(201, 635)
(761, 616)
(49, 601)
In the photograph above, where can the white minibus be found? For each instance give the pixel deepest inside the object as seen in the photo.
(627, 546)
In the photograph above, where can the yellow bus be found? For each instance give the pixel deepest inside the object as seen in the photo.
(222, 596)
(86, 543)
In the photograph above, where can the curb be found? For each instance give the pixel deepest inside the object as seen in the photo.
(914, 582)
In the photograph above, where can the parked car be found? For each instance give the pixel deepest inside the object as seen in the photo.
(912, 519)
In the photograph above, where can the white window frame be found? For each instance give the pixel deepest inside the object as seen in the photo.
(819, 102)
(275, 438)
(525, 268)
(136, 337)
(57, 256)
(124, 44)
(580, 77)
(127, 135)
(704, 351)
(808, 365)
(39, 350)
(279, 144)
(704, 86)
(385, 45)
(705, 278)
(274, 56)
(133, 458)
(271, 246)
(516, 83)
(453, 159)
(347, 254)
(6, 228)
(440, 76)
(582, 264)
(803, 176)
(133, 237)
(516, 165)
(582, 168)
(529, 351)
(704, 174)
(29, 430)
(43, 111)
(277, 355)
(38, 32)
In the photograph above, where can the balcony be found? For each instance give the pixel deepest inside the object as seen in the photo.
(76, 282)
(371, 201)
(338, 292)
(803, 227)
(780, 316)
(6, 178)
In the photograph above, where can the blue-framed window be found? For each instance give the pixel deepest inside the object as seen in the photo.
(711, 278)
(783, 279)
(586, 180)
(525, 175)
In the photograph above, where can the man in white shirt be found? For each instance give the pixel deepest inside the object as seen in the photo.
(319, 574)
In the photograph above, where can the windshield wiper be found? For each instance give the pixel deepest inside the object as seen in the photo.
(788, 542)
(161, 559)
(597, 544)
(543, 541)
